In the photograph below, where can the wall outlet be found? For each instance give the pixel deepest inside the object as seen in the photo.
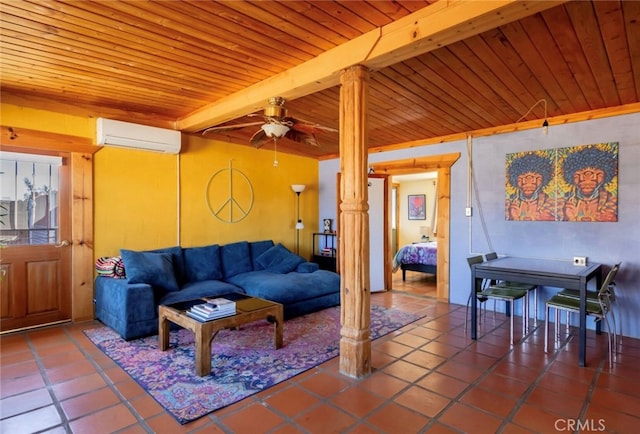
(580, 260)
(468, 211)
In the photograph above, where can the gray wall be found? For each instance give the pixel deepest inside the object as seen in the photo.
(600, 242)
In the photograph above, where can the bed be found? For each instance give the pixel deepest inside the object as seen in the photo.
(422, 257)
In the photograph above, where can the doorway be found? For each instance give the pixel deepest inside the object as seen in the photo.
(442, 165)
(415, 232)
(76, 303)
(35, 233)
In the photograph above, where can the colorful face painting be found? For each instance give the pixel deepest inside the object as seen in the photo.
(529, 191)
(578, 183)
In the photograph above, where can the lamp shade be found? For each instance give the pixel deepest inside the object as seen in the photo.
(275, 130)
(298, 188)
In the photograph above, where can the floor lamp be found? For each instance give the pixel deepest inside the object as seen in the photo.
(298, 188)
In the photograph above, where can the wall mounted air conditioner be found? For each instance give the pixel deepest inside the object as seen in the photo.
(128, 135)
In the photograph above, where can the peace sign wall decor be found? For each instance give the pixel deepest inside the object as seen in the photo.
(229, 195)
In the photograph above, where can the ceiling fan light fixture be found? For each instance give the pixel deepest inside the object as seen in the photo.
(275, 130)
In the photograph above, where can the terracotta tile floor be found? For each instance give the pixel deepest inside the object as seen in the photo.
(415, 283)
(427, 377)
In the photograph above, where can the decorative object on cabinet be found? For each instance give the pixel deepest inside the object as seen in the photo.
(324, 250)
(424, 234)
(327, 223)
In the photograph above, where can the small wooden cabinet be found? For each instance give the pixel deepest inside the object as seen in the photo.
(324, 250)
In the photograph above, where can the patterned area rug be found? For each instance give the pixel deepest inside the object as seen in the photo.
(244, 361)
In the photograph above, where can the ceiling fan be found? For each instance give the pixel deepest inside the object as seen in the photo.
(276, 125)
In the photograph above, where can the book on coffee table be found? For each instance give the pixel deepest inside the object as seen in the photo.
(219, 304)
(212, 308)
(206, 310)
(197, 314)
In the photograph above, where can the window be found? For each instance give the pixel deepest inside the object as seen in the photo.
(29, 198)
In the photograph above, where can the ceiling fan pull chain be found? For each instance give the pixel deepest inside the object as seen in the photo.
(275, 152)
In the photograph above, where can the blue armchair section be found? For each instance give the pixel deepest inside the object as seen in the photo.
(260, 269)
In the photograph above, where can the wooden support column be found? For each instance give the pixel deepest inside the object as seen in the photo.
(82, 235)
(355, 341)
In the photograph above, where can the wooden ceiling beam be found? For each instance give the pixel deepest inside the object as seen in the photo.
(24, 140)
(427, 29)
(444, 23)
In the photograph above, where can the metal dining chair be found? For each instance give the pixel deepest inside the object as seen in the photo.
(516, 285)
(509, 295)
(471, 261)
(600, 308)
(593, 295)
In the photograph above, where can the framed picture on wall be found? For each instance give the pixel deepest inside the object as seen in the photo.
(417, 207)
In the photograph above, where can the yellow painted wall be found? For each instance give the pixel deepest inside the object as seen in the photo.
(410, 231)
(142, 203)
(274, 211)
(135, 197)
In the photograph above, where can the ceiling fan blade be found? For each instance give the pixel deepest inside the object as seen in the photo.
(224, 128)
(259, 139)
(302, 137)
(310, 127)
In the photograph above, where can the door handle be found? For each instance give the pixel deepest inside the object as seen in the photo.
(63, 243)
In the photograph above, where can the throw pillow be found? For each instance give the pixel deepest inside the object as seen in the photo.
(202, 263)
(178, 261)
(235, 258)
(278, 259)
(155, 269)
(110, 266)
(257, 248)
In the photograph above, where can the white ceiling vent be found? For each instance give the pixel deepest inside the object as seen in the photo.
(135, 136)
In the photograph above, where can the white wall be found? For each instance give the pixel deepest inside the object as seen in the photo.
(607, 243)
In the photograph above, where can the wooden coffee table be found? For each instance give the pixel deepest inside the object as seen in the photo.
(248, 309)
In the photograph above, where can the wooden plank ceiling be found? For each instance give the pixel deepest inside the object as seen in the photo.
(157, 62)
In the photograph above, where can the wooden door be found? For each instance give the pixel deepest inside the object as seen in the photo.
(36, 276)
(379, 234)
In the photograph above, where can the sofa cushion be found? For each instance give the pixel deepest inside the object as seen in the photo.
(203, 288)
(235, 258)
(202, 263)
(258, 248)
(155, 269)
(279, 259)
(290, 287)
(178, 262)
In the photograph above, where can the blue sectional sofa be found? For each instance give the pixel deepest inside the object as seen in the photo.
(261, 269)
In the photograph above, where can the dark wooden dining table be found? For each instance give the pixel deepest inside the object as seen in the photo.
(541, 272)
